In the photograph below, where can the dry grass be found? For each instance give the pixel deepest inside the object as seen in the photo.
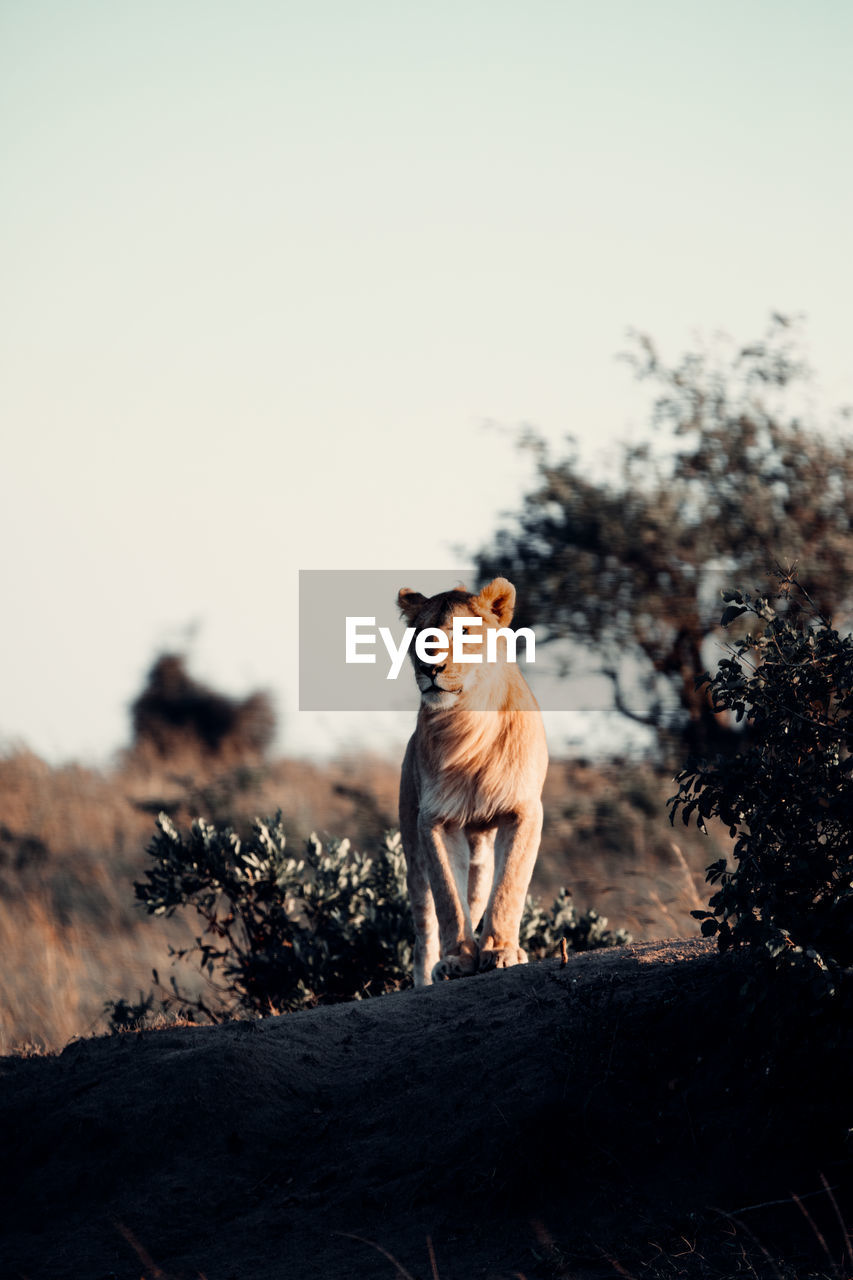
(58, 974)
(72, 841)
(608, 837)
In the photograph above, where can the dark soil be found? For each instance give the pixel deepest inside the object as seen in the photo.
(545, 1121)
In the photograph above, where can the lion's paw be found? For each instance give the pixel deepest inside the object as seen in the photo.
(448, 967)
(501, 957)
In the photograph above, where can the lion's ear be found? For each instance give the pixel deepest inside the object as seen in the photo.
(499, 598)
(410, 603)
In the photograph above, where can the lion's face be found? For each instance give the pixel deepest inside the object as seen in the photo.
(441, 680)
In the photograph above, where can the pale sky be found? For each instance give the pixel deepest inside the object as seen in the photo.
(268, 269)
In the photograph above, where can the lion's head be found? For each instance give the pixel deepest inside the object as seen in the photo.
(442, 680)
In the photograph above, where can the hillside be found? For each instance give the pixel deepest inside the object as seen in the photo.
(544, 1121)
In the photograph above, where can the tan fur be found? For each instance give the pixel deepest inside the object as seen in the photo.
(470, 794)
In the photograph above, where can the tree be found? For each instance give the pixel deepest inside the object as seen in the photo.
(735, 485)
(175, 713)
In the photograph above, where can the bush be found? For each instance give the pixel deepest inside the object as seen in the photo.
(283, 933)
(787, 799)
(175, 713)
(542, 930)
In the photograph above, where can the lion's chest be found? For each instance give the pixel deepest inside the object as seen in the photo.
(474, 794)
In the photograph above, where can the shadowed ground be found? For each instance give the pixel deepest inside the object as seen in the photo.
(579, 1103)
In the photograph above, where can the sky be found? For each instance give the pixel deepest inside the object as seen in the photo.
(282, 282)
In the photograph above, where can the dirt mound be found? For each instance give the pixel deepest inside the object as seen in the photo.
(476, 1119)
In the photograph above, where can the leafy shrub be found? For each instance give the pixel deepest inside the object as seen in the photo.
(281, 932)
(787, 799)
(284, 933)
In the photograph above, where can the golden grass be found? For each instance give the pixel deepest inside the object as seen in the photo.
(58, 975)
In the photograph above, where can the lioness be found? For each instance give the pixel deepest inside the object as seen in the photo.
(470, 792)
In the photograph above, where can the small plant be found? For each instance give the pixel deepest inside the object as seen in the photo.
(127, 1015)
(283, 933)
(788, 798)
(542, 930)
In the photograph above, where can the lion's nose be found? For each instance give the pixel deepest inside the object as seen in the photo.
(437, 670)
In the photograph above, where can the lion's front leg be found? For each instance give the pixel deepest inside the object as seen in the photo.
(423, 916)
(516, 847)
(447, 856)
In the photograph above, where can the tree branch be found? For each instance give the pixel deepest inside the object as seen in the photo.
(650, 721)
